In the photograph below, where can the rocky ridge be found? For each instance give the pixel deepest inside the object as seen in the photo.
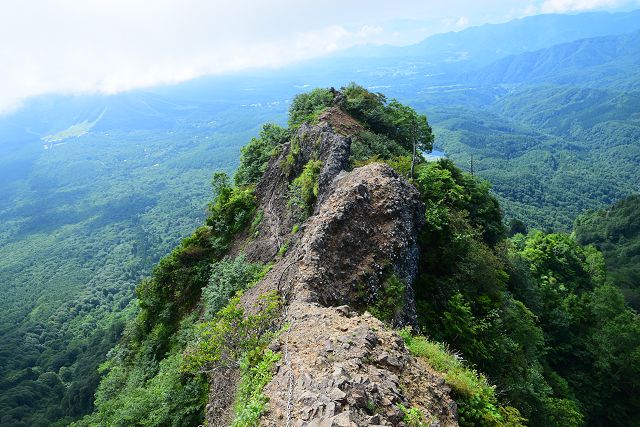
(341, 366)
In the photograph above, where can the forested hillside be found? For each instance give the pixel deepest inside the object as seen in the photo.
(592, 62)
(616, 232)
(562, 140)
(86, 221)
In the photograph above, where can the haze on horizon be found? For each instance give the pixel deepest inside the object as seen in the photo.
(75, 46)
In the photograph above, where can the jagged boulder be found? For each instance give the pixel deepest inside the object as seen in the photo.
(364, 233)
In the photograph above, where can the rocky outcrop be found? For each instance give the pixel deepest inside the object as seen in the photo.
(345, 369)
(341, 366)
(308, 143)
(364, 232)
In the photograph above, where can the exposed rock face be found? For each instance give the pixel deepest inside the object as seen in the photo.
(340, 365)
(309, 142)
(344, 369)
(364, 231)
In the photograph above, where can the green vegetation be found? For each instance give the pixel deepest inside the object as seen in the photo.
(143, 375)
(537, 313)
(257, 220)
(81, 224)
(282, 250)
(413, 417)
(591, 335)
(230, 212)
(524, 311)
(306, 107)
(615, 231)
(234, 337)
(477, 402)
(303, 190)
(256, 154)
(227, 277)
(368, 145)
(156, 374)
(256, 370)
(288, 163)
(550, 151)
(139, 389)
(521, 311)
(73, 131)
(391, 301)
(391, 119)
(225, 339)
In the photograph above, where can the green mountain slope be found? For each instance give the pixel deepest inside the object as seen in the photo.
(552, 150)
(80, 226)
(616, 232)
(590, 62)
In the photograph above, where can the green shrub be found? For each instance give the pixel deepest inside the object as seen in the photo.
(257, 220)
(477, 403)
(256, 370)
(129, 395)
(367, 145)
(303, 191)
(225, 339)
(172, 291)
(413, 417)
(447, 191)
(229, 213)
(228, 277)
(306, 107)
(397, 122)
(282, 251)
(391, 299)
(255, 156)
(287, 164)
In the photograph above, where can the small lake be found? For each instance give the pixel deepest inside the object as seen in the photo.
(435, 154)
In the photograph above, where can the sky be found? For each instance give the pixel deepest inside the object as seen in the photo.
(109, 46)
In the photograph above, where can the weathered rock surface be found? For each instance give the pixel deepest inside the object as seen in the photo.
(344, 369)
(309, 142)
(340, 365)
(365, 231)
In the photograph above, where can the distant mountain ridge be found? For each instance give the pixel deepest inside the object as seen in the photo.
(483, 44)
(585, 61)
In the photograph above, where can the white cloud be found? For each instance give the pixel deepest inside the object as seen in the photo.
(462, 22)
(560, 6)
(77, 46)
(72, 46)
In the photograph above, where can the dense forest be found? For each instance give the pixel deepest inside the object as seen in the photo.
(534, 314)
(615, 231)
(97, 214)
